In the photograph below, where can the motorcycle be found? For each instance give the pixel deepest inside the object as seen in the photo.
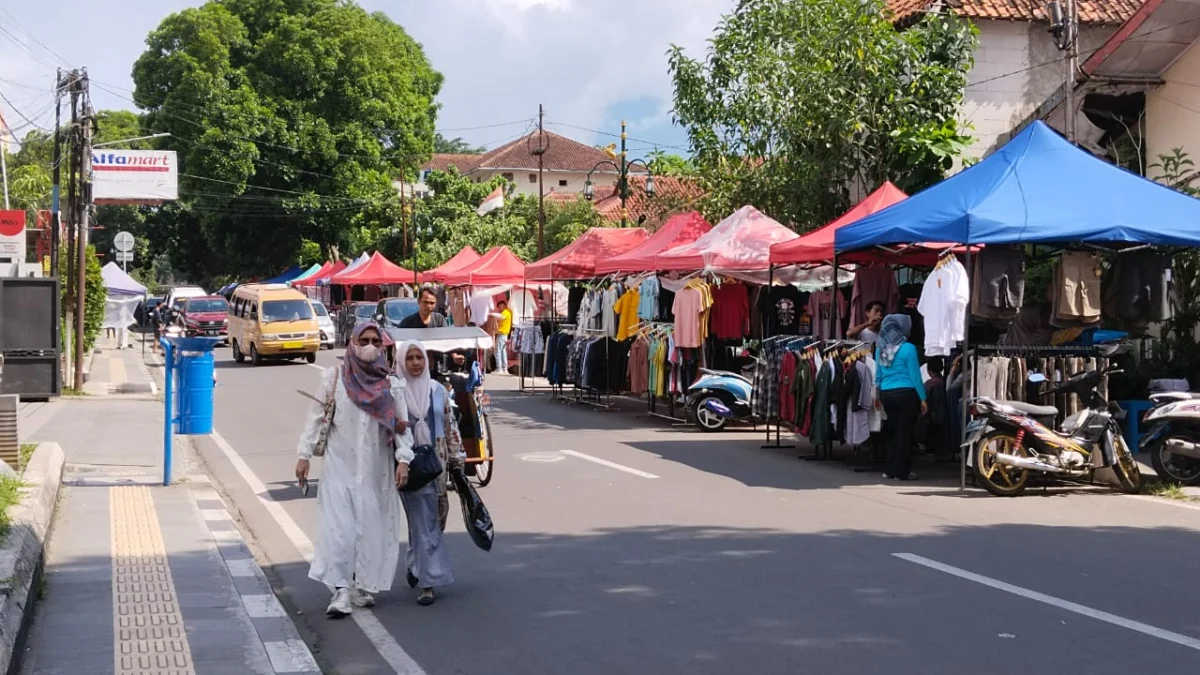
(719, 397)
(1010, 440)
(1173, 439)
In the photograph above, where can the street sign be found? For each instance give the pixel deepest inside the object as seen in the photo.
(124, 256)
(123, 242)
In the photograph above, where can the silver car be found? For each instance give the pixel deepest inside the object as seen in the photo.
(325, 323)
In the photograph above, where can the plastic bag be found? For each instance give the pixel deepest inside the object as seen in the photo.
(475, 515)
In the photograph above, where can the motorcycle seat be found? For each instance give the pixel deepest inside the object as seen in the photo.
(1031, 409)
(724, 373)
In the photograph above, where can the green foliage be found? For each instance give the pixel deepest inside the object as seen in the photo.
(798, 101)
(1177, 171)
(94, 295)
(455, 146)
(291, 119)
(664, 164)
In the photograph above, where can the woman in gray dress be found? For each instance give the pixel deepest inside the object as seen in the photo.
(432, 424)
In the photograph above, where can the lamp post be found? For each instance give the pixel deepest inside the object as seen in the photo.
(422, 226)
(622, 177)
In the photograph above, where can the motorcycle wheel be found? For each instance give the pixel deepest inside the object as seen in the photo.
(707, 420)
(1172, 468)
(1126, 467)
(999, 479)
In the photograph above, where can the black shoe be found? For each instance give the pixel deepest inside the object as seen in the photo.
(412, 581)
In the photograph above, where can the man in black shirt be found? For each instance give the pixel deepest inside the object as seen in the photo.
(427, 317)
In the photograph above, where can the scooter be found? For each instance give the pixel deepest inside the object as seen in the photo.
(719, 397)
(1173, 437)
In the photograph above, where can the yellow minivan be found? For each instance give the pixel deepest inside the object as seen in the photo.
(272, 321)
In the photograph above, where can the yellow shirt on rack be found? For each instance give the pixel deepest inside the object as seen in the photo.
(627, 308)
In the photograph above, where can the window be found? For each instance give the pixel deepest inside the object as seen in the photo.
(286, 310)
(508, 177)
(533, 178)
(207, 306)
(562, 182)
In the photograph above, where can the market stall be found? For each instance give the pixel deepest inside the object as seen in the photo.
(461, 260)
(123, 293)
(679, 230)
(375, 272)
(1037, 190)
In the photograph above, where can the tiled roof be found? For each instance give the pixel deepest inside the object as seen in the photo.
(562, 154)
(1090, 11)
(671, 193)
(443, 161)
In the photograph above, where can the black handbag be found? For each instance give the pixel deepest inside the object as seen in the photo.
(423, 469)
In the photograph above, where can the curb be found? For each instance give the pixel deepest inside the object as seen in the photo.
(23, 550)
(290, 654)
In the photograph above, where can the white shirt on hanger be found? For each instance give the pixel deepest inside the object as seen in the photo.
(481, 306)
(609, 317)
(943, 304)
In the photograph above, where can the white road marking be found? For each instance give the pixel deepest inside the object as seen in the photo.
(611, 465)
(317, 366)
(262, 606)
(1122, 622)
(542, 457)
(291, 656)
(1165, 501)
(385, 644)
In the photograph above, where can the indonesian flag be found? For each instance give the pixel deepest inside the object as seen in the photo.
(493, 202)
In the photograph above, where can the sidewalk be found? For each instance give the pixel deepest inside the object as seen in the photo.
(141, 578)
(120, 371)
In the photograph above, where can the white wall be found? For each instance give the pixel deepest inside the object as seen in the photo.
(575, 180)
(1017, 67)
(1173, 110)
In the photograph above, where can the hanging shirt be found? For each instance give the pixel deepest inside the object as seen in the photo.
(627, 308)
(647, 309)
(730, 312)
(871, 284)
(689, 305)
(820, 308)
(481, 308)
(944, 300)
(608, 317)
(782, 307)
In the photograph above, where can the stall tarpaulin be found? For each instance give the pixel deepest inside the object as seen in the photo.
(578, 259)
(310, 277)
(679, 230)
(740, 243)
(377, 271)
(817, 246)
(1037, 188)
(284, 276)
(461, 260)
(321, 278)
(118, 283)
(307, 273)
(497, 267)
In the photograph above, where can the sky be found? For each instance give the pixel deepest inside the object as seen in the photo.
(591, 63)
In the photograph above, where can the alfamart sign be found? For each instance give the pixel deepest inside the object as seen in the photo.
(12, 235)
(134, 176)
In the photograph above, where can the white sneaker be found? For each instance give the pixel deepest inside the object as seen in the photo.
(361, 598)
(340, 605)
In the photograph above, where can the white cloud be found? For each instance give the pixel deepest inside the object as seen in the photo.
(586, 60)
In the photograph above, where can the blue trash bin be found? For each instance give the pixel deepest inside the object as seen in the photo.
(194, 399)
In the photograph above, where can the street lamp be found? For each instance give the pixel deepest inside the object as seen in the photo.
(422, 226)
(589, 190)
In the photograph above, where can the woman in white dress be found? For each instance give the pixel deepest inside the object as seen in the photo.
(366, 460)
(432, 424)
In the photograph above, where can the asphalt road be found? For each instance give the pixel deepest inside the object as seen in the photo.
(625, 545)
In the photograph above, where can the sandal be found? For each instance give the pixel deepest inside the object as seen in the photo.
(412, 581)
(426, 598)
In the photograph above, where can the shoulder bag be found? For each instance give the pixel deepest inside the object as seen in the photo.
(424, 468)
(330, 407)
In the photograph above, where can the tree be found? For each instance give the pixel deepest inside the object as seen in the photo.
(799, 102)
(94, 298)
(291, 119)
(665, 164)
(455, 146)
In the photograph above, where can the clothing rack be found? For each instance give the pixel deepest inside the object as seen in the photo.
(588, 396)
(652, 404)
(527, 382)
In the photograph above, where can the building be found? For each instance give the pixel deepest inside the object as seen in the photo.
(566, 165)
(1018, 66)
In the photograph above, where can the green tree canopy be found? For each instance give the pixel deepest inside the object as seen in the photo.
(455, 146)
(797, 102)
(291, 119)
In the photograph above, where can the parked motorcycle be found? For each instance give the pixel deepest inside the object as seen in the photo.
(1173, 437)
(719, 397)
(1010, 440)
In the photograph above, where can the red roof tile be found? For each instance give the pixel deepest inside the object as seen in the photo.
(443, 161)
(671, 193)
(1090, 11)
(562, 154)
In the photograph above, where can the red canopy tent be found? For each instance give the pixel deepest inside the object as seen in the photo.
(375, 272)
(460, 261)
(311, 280)
(680, 229)
(497, 267)
(741, 242)
(578, 259)
(817, 246)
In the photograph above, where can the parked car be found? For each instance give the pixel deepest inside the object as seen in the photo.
(325, 322)
(352, 314)
(205, 316)
(391, 311)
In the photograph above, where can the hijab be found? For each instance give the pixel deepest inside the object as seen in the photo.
(366, 382)
(418, 392)
(893, 332)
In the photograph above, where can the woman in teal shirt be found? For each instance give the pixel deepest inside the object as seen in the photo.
(898, 378)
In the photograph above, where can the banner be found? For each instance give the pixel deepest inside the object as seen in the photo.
(12, 235)
(134, 176)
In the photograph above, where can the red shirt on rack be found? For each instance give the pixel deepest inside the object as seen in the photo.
(730, 314)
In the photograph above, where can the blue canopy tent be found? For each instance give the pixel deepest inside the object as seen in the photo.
(1038, 188)
(285, 276)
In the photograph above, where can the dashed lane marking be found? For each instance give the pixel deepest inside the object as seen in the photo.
(611, 465)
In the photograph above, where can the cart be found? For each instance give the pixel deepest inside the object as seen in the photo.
(443, 341)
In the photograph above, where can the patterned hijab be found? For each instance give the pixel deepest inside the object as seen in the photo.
(367, 383)
(418, 392)
(893, 332)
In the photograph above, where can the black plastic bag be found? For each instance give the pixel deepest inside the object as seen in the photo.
(475, 514)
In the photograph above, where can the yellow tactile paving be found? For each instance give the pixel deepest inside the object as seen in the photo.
(148, 634)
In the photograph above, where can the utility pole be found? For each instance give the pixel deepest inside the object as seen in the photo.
(85, 207)
(1072, 64)
(56, 190)
(73, 306)
(623, 181)
(541, 152)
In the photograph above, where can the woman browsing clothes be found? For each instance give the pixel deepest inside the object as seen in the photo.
(901, 391)
(432, 424)
(366, 456)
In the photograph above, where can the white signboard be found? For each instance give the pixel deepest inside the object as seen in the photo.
(134, 176)
(124, 256)
(12, 235)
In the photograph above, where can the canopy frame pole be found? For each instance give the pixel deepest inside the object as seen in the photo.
(778, 444)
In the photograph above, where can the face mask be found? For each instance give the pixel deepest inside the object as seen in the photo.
(368, 353)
